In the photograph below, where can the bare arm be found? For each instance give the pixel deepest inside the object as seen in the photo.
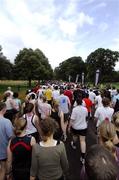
(62, 120)
(32, 178)
(33, 141)
(9, 161)
(115, 140)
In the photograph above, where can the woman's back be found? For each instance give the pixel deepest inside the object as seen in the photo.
(51, 161)
(21, 151)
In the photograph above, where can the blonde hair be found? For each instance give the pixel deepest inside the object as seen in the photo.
(115, 119)
(107, 133)
(56, 105)
(19, 125)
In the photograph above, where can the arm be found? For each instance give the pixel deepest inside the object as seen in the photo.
(70, 125)
(64, 161)
(62, 120)
(50, 109)
(33, 141)
(9, 161)
(34, 164)
(9, 129)
(32, 178)
(69, 104)
(115, 140)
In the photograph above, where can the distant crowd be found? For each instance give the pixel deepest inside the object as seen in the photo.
(34, 132)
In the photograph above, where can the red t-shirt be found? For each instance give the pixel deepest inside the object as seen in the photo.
(69, 94)
(88, 103)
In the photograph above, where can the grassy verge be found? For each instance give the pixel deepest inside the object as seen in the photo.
(16, 86)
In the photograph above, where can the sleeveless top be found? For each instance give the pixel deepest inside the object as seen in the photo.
(30, 128)
(55, 116)
(21, 151)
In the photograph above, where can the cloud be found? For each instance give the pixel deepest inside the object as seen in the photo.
(85, 19)
(70, 26)
(67, 27)
(61, 29)
(115, 47)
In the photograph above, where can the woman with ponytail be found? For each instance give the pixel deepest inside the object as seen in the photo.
(115, 120)
(19, 152)
(107, 136)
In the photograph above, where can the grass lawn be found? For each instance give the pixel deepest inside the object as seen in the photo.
(16, 86)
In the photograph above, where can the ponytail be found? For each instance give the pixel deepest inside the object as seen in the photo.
(110, 146)
(19, 125)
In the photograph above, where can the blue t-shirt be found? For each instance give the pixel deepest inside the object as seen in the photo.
(6, 132)
(63, 103)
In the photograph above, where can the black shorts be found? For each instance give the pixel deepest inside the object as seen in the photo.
(3, 160)
(66, 117)
(80, 132)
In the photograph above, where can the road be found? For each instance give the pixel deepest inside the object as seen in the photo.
(74, 154)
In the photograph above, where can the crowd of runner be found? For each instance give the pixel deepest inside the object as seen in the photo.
(33, 133)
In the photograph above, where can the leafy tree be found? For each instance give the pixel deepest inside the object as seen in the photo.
(104, 60)
(5, 67)
(72, 67)
(32, 64)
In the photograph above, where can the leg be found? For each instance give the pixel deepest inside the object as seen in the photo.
(83, 147)
(2, 170)
(65, 130)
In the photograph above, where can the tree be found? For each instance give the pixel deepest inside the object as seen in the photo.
(5, 67)
(72, 67)
(32, 64)
(104, 60)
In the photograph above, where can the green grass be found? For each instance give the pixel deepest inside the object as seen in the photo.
(16, 86)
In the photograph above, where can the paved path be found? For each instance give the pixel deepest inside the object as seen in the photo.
(74, 154)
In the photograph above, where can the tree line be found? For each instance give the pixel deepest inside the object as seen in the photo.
(32, 64)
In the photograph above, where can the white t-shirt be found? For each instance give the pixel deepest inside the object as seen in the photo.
(103, 112)
(92, 96)
(78, 117)
(98, 101)
(55, 94)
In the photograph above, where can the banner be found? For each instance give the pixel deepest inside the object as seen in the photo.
(82, 78)
(97, 77)
(69, 78)
(77, 77)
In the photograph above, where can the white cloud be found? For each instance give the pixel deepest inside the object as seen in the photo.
(85, 19)
(60, 31)
(67, 27)
(70, 26)
(115, 47)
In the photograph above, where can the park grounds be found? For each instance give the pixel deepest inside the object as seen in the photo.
(21, 86)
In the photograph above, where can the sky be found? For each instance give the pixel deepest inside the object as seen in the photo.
(59, 28)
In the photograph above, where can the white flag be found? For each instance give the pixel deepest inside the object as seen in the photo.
(77, 77)
(97, 77)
